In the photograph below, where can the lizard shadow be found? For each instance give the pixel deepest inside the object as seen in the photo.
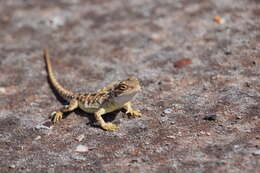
(109, 117)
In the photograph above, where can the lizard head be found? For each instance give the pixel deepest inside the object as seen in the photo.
(125, 90)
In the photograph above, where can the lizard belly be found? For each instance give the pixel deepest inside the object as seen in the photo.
(88, 109)
(108, 108)
(112, 107)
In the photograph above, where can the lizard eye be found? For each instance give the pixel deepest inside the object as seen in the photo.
(123, 87)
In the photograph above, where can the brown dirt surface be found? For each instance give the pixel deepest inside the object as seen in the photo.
(202, 117)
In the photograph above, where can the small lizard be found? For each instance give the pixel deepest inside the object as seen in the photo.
(114, 96)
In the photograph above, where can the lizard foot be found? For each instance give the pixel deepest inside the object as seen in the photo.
(56, 116)
(135, 113)
(109, 127)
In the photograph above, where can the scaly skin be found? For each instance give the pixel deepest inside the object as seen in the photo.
(114, 96)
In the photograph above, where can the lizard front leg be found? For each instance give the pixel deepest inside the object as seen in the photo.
(102, 123)
(131, 111)
(57, 115)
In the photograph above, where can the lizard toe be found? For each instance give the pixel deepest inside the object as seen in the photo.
(135, 113)
(56, 116)
(110, 127)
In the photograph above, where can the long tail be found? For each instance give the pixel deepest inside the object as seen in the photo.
(62, 91)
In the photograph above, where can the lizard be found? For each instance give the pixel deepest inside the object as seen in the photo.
(115, 96)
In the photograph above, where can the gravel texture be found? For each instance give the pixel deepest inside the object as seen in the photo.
(194, 58)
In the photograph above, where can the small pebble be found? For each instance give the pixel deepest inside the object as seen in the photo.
(211, 117)
(40, 126)
(12, 166)
(80, 137)
(45, 125)
(256, 153)
(37, 138)
(82, 148)
(79, 158)
(145, 159)
(2, 90)
(167, 111)
(219, 20)
(182, 62)
(239, 117)
(236, 146)
(171, 137)
(202, 133)
(179, 134)
(255, 118)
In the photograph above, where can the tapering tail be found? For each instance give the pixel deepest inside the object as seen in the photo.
(62, 91)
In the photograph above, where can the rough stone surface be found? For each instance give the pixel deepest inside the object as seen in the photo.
(94, 42)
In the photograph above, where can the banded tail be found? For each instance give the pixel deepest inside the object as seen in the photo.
(62, 91)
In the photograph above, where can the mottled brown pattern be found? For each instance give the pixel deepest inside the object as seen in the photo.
(114, 96)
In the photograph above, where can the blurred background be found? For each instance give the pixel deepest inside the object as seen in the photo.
(198, 62)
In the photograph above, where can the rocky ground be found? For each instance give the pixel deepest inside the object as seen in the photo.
(198, 62)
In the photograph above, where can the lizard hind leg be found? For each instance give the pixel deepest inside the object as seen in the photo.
(57, 115)
(102, 123)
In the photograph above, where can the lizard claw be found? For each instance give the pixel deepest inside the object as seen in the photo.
(56, 116)
(135, 113)
(110, 127)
